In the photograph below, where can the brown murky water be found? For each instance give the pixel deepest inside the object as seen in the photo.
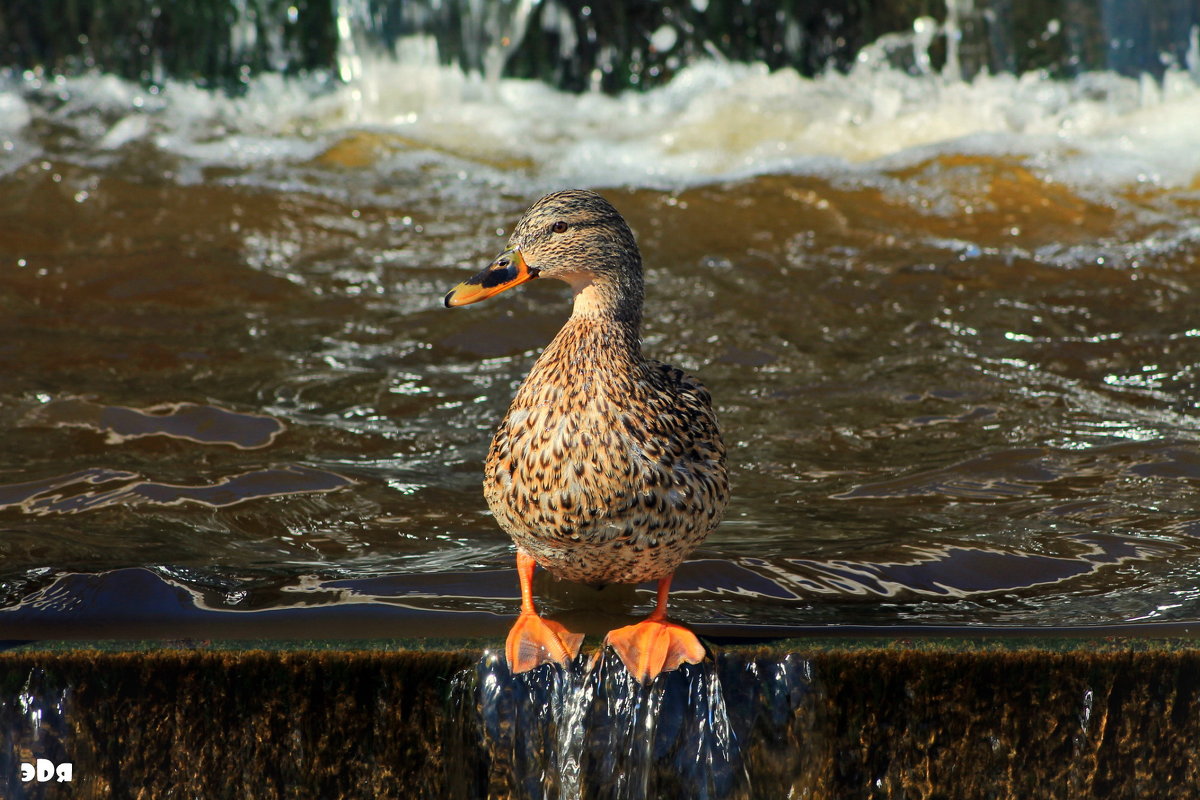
(955, 392)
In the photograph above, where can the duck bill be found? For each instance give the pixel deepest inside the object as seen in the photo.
(508, 270)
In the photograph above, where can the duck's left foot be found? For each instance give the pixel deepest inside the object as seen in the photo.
(653, 646)
(534, 641)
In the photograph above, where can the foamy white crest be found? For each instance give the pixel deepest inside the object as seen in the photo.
(14, 113)
(721, 120)
(712, 121)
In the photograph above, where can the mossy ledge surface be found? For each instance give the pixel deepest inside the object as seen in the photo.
(872, 720)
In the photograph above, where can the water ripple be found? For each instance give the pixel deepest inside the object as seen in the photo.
(202, 424)
(62, 495)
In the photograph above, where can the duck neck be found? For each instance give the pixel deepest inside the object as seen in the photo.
(606, 299)
(603, 333)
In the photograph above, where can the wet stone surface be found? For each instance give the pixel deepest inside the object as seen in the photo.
(858, 721)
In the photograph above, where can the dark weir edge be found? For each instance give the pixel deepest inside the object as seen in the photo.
(777, 638)
(1040, 722)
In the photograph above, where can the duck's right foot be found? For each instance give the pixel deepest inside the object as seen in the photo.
(534, 641)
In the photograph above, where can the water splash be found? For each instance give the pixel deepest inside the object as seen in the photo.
(593, 731)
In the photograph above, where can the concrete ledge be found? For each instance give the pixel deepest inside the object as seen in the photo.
(816, 719)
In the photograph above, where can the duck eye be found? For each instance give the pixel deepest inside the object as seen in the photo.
(559, 226)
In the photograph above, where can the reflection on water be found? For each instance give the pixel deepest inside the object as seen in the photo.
(194, 423)
(59, 495)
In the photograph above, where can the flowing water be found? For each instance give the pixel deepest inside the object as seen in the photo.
(593, 731)
(950, 328)
(949, 325)
(555, 731)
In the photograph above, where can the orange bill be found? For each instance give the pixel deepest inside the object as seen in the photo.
(508, 270)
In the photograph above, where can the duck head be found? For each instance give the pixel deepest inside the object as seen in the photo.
(575, 236)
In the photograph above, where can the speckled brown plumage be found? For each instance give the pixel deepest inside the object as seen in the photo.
(608, 467)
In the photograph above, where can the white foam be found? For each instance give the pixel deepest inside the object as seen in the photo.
(721, 120)
(14, 113)
(712, 121)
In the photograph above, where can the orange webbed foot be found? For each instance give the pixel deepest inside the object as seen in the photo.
(653, 646)
(534, 641)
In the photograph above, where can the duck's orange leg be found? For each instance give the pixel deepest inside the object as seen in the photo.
(655, 645)
(534, 641)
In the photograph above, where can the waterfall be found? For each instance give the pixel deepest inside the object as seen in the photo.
(579, 46)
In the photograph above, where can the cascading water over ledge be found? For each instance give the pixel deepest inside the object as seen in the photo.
(594, 731)
(875, 720)
(577, 45)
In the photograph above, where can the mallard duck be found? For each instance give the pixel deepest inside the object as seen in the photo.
(609, 467)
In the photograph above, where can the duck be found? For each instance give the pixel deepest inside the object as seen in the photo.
(609, 467)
